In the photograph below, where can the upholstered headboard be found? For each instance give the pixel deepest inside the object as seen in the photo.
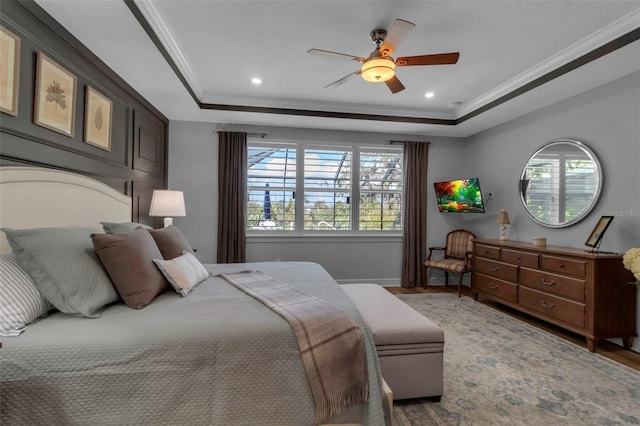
(33, 197)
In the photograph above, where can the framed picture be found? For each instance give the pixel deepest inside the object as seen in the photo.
(55, 103)
(598, 231)
(97, 119)
(9, 71)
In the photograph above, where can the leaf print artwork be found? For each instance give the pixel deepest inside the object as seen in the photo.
(98, 120)
(56, 94)
(55, 103)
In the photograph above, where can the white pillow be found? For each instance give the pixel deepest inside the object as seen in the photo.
(183, 272)
(21, 303)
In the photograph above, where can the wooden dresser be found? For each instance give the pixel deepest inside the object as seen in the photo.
(574, 289)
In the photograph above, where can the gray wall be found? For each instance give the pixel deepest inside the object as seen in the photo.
(193, 157)
(193, 168)
(606, 118)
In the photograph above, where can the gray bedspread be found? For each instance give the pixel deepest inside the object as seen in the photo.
(215, 357)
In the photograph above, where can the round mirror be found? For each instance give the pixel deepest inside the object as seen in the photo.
(560, 183)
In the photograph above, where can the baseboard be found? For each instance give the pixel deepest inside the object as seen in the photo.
(385, 282)
(388, 282)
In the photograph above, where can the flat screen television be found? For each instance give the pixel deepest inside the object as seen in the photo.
(459, 196)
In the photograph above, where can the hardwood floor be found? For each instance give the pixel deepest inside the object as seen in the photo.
(610, 350)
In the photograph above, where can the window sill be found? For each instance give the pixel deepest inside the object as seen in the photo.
(331, 238)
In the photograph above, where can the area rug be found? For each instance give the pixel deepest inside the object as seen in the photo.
(499, 370)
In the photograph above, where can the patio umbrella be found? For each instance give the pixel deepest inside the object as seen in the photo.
(267, 204)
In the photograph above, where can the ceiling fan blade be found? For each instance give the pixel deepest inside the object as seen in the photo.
(394, 85)
(439, 59)
(343, 79)
(335, 55)
(396, 34)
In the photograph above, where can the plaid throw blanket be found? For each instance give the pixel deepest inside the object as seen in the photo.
(330, 342)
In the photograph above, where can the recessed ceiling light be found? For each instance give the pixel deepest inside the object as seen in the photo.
(256, 81)
(429, 95)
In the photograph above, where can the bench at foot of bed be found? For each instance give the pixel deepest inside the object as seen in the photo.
(409, 345)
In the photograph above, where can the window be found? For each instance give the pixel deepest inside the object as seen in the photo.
(334, 188)
(327, 189)
(271, 187)
(380, 190)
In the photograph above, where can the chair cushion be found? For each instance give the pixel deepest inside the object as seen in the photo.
(458, 244)
(453, 265)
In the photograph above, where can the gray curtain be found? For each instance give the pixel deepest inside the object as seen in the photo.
(414, 242)
(232, 195)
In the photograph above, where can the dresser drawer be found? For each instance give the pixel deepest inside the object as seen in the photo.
(521, 258)
(577, 268)
(556, 307)
(557, 284)
(496, 287)
(497, 269)
(487, 251)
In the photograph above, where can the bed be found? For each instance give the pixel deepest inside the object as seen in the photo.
(217, 356)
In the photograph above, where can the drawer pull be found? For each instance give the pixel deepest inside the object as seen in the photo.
(493, 268)
(549, 283)
(547, 305)
(494, 286)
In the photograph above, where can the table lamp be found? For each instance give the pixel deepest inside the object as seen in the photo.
(167, 203)
(503, 221)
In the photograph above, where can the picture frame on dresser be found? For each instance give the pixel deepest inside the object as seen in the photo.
(55, 99)
(9, 71)
(97, 119)
(595, 238)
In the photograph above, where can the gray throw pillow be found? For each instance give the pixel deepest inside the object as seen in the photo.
(116, 228)
(64, 266)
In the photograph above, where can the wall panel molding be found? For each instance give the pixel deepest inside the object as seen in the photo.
(26, 143)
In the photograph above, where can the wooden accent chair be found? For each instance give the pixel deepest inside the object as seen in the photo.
(457, 256)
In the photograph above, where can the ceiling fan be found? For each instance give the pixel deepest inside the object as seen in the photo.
(380, 66)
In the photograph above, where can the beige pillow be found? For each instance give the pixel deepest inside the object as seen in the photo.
(183, 272)
(170, 241)
(128, 259)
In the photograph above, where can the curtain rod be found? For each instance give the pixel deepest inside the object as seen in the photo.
(394, 142)
(253, 135)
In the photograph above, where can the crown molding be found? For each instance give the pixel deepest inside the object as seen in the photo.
(604, 41)
(156, 21)
(595, 40)
(348, 108)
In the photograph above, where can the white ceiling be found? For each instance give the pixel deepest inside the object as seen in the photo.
(218, 46)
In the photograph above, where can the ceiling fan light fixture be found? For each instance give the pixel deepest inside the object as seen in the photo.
(378, 69)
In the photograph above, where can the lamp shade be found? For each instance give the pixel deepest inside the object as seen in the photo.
(378, 69)
(167, 203)
(503, 218)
